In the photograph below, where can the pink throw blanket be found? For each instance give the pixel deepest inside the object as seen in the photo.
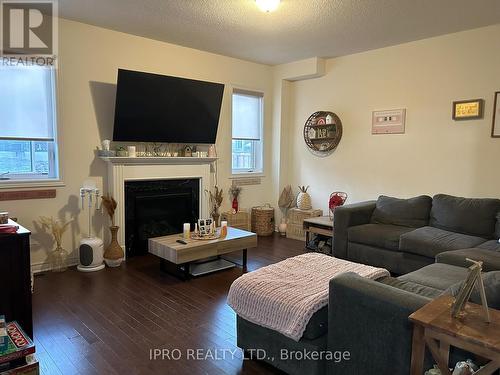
(284, 296)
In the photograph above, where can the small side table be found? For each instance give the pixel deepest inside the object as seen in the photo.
(318, 225)
(435, 328)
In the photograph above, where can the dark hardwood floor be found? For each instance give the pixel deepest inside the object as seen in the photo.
(107, 322)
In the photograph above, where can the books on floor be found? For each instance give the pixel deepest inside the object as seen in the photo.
(17, 356)
(4, 340)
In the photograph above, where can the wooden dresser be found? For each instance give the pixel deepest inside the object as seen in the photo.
(15, 278)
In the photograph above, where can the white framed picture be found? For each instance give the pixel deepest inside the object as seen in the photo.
(495, 127)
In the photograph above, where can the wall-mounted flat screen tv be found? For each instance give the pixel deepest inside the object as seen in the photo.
(158, 108)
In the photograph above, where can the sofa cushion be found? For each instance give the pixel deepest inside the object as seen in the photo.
(379, 235)
(490, 259)
(412, 287)
(317, 325)
(490, 245)
(438, 276)
(491, 281)
(413, 212)
(429, 241)
(471, 216)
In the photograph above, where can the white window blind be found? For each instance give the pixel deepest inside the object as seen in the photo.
(247, 115)
(27, 103)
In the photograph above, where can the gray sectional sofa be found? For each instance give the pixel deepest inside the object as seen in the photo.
(404, 235)
(367, 318)
(426, 241)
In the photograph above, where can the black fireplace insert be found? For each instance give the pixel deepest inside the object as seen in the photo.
(158, 208)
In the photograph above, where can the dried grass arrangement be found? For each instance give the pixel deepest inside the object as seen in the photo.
(235, 191)
(216, 198)
(56, 227)
(110, 204)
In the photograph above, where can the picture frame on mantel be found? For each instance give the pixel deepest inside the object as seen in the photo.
(495, 127)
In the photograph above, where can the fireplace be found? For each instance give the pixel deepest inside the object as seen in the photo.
(158, 208)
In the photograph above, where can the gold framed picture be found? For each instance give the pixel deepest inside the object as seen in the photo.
(468, 109)
(495, 127)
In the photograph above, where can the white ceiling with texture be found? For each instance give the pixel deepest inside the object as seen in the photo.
(298, 29)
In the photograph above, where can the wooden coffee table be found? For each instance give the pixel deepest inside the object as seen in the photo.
(186, 260)
(435, 328)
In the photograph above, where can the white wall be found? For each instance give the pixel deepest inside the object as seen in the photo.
(436, 154)
(89, 59)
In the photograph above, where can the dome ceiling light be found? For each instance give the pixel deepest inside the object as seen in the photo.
(268, 5)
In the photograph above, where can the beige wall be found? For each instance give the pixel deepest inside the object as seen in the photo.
(89, 59)
(436, 154)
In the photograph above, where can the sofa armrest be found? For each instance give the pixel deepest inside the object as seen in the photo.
(370, 320)
(345, 217)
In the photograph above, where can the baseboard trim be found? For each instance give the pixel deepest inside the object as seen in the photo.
(47, 266)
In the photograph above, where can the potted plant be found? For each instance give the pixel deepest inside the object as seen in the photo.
(58, 257)
(234, 193)
(121, 152)
(113, 255)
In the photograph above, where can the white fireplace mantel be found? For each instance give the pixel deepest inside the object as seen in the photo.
(158, 160)
(123, 169)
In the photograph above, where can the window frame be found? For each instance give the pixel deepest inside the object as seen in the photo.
(258, 146)
(24, 180)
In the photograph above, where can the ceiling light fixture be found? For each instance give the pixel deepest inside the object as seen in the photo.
(268, 5)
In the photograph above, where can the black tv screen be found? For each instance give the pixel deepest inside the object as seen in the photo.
(157, 108)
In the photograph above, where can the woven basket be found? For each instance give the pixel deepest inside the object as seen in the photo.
(263, 220)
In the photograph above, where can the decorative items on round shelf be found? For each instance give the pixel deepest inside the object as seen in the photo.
(304, 199)
(323, 132)
(263, 220)
(337, 199)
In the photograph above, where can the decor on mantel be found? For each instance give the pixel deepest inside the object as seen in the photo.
(285, 202)
(234, 193)
(337, 199)
(57, 257)
(121, 152)
(216, 199)
(304, 199)
(322, 132)
(113, 255)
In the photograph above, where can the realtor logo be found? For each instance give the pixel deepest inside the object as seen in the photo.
(28, 28)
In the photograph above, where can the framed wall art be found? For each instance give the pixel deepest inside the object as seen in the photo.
(495, 127)
(468, 109)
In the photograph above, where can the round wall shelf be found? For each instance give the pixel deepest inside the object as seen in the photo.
(323, 132)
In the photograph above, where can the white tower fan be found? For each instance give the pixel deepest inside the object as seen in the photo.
(91, 248)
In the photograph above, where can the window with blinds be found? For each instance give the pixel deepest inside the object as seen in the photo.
(247, 125)
(28, 148)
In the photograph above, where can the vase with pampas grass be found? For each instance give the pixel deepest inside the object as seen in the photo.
(58, 257)
(113, 255)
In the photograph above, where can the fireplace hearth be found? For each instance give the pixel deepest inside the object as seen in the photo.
(158, 208)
